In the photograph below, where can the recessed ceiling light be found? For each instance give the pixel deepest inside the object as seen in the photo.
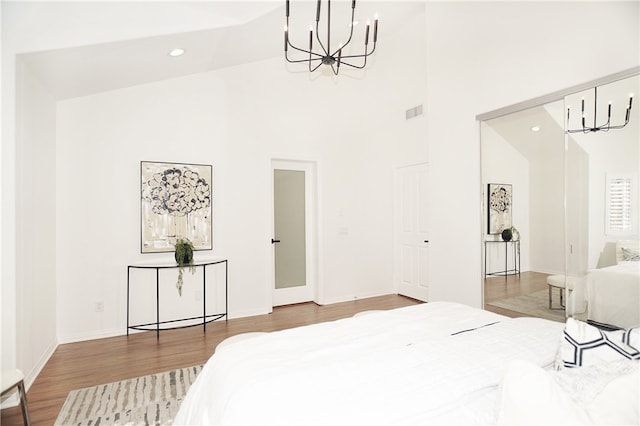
(176, 52)
(535, 128)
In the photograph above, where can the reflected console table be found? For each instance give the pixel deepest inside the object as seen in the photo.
(204, 317)
(515, 250)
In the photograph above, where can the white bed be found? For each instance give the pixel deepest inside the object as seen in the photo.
(434, 363)
(610, 295)
(613, 295)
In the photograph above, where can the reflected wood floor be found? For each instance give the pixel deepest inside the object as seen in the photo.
(496, 288)
(90, 363)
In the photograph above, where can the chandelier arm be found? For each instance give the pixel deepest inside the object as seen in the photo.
(602, 126)
(320, 41)
(355, 66)
(297, 61)
(304, 51)
(620, 126)
(597, 129)
(314, 68)
(353, 12)
(366, 54)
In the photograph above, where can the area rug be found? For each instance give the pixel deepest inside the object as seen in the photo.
(533, 304)
(147, 400)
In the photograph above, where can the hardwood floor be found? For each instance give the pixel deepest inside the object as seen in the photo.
(496, 288)
(89, 363)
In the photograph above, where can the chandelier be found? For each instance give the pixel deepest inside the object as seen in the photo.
(603, 127)
(326, 55)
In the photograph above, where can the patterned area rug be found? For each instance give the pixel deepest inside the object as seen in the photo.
(146, 400)
(534, 304)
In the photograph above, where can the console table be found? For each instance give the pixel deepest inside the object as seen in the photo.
(158, 265)
(515, 246)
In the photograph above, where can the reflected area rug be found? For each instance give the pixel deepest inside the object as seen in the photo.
(146, 400)
(534, 304)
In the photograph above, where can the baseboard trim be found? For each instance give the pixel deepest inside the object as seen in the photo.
(31, 376)
(81, 337)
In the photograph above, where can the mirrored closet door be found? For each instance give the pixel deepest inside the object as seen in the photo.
(572, 196)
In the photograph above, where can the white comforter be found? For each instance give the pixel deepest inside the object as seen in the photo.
(405, 366)
(609, 295)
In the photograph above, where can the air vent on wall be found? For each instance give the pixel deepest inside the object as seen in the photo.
(413, 112)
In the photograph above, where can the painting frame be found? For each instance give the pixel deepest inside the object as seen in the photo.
(176, 201)
(499, 207)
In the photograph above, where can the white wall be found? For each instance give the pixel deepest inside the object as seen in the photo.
(35, 249)
(233, 120)
(547, 226)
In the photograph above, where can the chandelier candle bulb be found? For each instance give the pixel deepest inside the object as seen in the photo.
(286, 38)
(318, 12)
(366, 36)
(609, 112)
(375, 30)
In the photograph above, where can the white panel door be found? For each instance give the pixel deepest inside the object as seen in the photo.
(411, 257)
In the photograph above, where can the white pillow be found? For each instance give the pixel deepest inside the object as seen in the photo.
(584, 344)
(528, 395)
(618, 402)
(601, 394)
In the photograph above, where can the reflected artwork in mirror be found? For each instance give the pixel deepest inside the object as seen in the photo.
(499, 204)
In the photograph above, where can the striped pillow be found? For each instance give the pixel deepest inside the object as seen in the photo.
(630, 255)
(584, 344)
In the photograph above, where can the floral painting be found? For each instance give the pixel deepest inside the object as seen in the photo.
(499, 206)
(176, 202)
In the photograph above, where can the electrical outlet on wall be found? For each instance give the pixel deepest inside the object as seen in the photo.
(99, 307)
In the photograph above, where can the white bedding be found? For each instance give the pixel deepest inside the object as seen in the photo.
(613, 295)
(404, 366)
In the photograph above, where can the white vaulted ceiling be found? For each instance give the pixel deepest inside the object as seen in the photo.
(239, 32)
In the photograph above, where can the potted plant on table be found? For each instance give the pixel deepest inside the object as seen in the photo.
(184, 257)
(510, 233)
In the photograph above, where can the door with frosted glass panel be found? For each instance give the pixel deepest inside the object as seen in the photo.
(292, 196)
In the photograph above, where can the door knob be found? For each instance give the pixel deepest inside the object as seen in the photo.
(274, 241)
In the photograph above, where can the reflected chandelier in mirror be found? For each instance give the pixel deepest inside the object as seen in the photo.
(603, 127)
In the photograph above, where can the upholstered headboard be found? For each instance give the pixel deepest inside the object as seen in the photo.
(631, 250)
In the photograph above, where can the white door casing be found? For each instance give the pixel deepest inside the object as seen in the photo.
(293, 255)
(411, 229)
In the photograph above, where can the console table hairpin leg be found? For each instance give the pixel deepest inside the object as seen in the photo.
(205, 318)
